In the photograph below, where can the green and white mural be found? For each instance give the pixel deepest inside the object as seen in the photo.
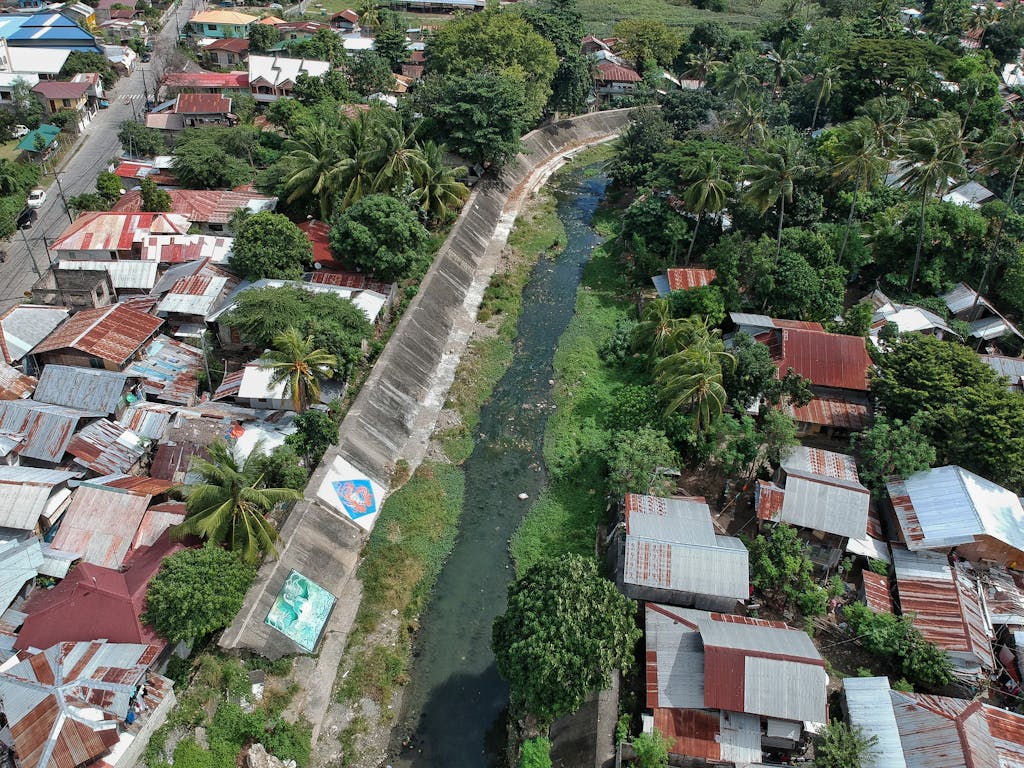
(301, 610)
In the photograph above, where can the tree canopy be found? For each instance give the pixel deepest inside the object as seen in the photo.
(196, 592)
(564, 631)
(380, 235)
(268, 245)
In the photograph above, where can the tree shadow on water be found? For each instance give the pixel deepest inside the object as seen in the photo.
(461, 725)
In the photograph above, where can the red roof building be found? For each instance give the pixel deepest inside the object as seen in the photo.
(104, 235)
(56, 89)
(95, 603)
(202, 206)
(202, 104)
(207, 82)
(112, 336)
(682, 280)
(831, 360)
(609, 72)
(236, 45)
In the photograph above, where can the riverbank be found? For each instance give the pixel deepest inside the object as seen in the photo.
(566, 517)
(419, 522)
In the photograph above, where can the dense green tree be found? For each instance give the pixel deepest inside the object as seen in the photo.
(320, 90)
(895, 641)
(336, 324)
(554, 651)
(844, 746)
(268, 245)
(324, 45)
(480, 115)
(535, 753)
(380, 235)
(28, 110)
(802, 282)
(892, 448)
(572, 85)
(196, 592)
(263, 37)
(856, 320)
(109, 186)
(297, 363)
(704, 301)
(140, 141)
(315, 432)
(648, 42)
(231, 504)
(685, 110)
(781, 570)
(369, 72)
(558, 21)
(154, 199)
(647, 135)
(965, 408)
(200, 162)
(651, 750)
(772, 177)
(282, 467)
(496, 42)
(78, 62)
(636, 460)
(390, 41)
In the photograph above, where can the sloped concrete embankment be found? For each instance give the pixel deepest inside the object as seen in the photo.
(395, 412)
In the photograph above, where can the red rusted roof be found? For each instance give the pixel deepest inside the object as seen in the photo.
(827, 359)
(832, 411)
(55, 89)
(684, 279)
(171, 461)
(116, 231)
(690, 732)
(607, 72)
(876, 592)
(112, 333)
(14, 385)
(202, 104)
(154, 525)
(206, 206)
(232, 44)
(769, 500)
(153, 486)
(239, 80)
(355, 280)
(348, 15)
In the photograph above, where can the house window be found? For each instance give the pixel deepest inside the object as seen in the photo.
(95, 362)
(211, 27)
(6, 96)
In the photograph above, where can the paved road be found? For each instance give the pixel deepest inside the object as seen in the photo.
(92, 153)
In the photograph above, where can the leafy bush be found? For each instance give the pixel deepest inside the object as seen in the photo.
(234, 725)
(289, 741)
(782, 571)
(634, 461)
(651, 750)
(895, 640)
(536, 753)
(380, 235)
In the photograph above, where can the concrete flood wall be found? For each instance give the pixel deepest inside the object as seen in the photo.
(394, 414)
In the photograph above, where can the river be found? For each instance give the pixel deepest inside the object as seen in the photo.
(452, 715)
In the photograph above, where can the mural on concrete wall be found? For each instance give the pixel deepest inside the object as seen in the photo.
(349, 491)
(301, 610)
(356, 496)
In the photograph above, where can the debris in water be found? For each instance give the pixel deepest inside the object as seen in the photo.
(524, 496)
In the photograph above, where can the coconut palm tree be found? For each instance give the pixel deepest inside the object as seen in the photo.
(436, 188)
(398, 154)
(658, 332)
(735, 79)
(825, 82)
(313, 160)
(860, 161)
(916, 84)
(299, 365)
(747, 121)
(772, 177)
(888, 116)
(934, 154)
(705, 189)
(786, 68)
(1003, 151)
(231, 505)
(361, 157)
(692, 379)
(701, 64)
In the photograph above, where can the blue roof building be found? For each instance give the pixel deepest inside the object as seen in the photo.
(46, 30)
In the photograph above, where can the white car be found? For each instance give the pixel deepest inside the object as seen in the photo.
(36, 198)
(20, 131)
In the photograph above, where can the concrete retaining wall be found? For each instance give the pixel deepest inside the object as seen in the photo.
(394, 414)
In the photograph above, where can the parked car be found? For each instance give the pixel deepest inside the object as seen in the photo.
(27, 218)
(20, 131)
(104, 103)
(36, 198)
(146, 56)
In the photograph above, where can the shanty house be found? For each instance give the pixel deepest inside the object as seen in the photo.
(87, 286)
(103, 236)
(985, 321)
(915, 730)
(723, 688)
(25, 325)
(208, 209)
(667, 551)
(837, 366)
(948, 507)
(819, 491)
(32, 499)
(101, 523)
(38, 431)
(65, 706)
(89, 389)
(678, 279)
(947, 608)
(109, 337)
(127, 277)
(169, 370)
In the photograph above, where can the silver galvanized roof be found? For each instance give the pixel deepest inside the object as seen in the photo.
(869, 707)
(90, 389)
(946, 506)
(47, 428)
(128, 274)
(720, 570)
(101, 523)
(1010, 367)
(687, 521)
(19, 562)
(24, 326)
(148, 419)
(27, 492)
(198, 303)
(822, 505)
(680, 661)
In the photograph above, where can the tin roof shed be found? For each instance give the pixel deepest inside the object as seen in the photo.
(106, 447)
(113, 333)
(90, 389)
(47, 428)
(23, 326)
(101, 523)
(27, 493)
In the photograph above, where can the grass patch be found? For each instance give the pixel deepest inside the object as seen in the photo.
(376, 672)
(352, 732)
(599, 16)
(565, 517)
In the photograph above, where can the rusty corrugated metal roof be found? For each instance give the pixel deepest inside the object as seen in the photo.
(47, 428)
(832, 411)
(105, 231)
(106, 447)
(169, 370)
(827, 359)
(101, 523)
(684, 279)
(112, 333)
(876, 592)
(15, 385)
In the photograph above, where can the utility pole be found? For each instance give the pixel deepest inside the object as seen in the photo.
(31, 256)
(145, 85)
(63, 199)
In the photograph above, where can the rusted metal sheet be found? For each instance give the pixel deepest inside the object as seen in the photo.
(876, 592)
(169, 370)
(112, 333)
(14, 385)
(692, 732)
(106, 447)
(684, 279)
(47, 428)
(827, 359)
(101, 523)
(104, 231)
